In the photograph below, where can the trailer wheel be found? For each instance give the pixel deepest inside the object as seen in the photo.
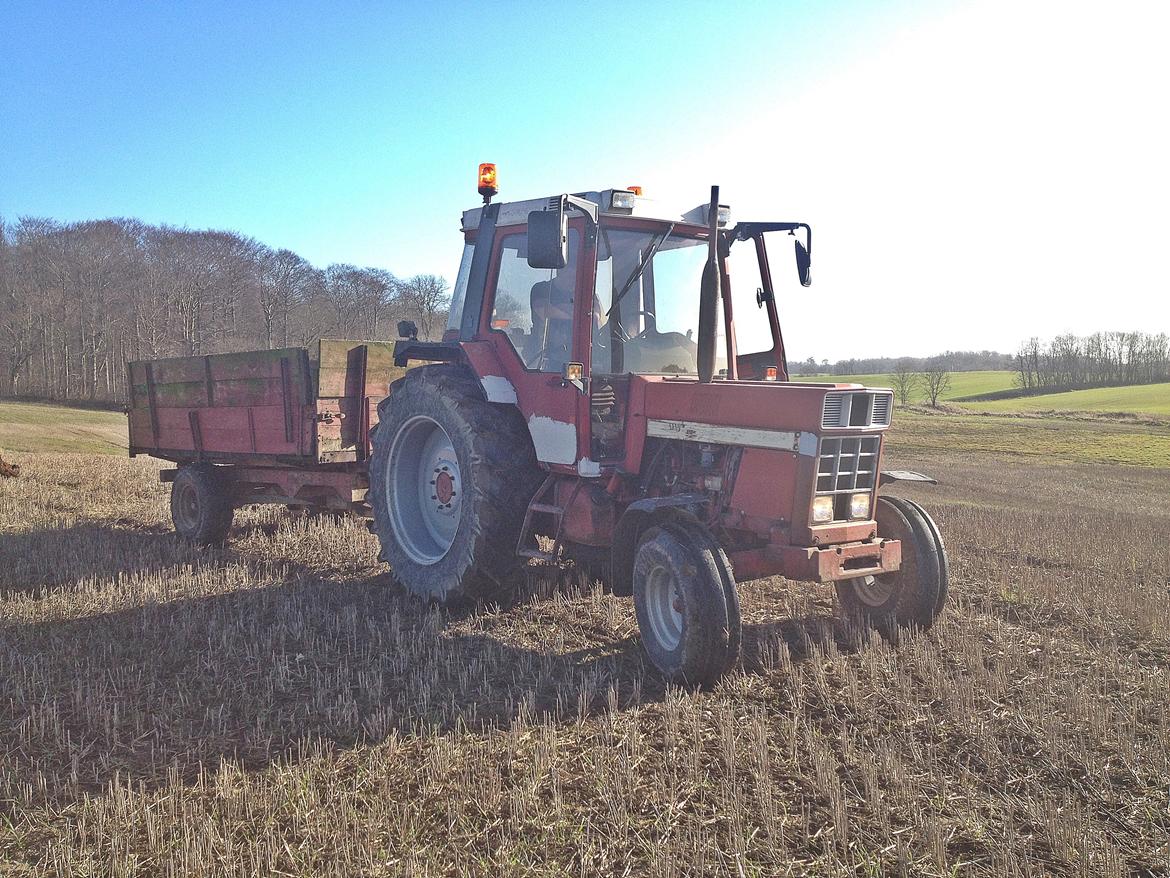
(201, 505)
(913, 596)
(689, 631)
(451, 477)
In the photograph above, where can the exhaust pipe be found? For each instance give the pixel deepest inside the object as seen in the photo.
(709, 295)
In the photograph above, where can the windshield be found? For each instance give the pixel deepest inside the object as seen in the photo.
(646, 302)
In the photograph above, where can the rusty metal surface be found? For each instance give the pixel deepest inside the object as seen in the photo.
(342, 489)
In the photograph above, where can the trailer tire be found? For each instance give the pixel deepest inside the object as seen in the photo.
(437, 433)
(689, 629)
(913, 596)
(201, 504)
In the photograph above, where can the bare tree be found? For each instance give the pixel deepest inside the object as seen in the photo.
(425, 297)
(936, 379)
(77, 300)
(344, 291)
(379, 289)
(286, 281)
(904, 379)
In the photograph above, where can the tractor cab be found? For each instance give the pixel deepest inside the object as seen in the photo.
(605, 285)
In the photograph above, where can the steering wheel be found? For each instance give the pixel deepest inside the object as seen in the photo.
(626, 336)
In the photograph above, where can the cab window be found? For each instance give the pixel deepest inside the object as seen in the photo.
(533, 307)
(753, 331)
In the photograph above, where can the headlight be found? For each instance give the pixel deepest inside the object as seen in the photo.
(822, 509)
(621, 200)
(859, 506)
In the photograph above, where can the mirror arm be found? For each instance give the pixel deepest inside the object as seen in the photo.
(807, 238)
(585, 206)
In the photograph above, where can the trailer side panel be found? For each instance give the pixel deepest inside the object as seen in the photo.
(220, 407)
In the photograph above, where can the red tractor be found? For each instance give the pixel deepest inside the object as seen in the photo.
(604, 382)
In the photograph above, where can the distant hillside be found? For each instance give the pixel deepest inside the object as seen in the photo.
(1151, 399)
(962, 383)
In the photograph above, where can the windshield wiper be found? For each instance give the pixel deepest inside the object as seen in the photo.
(638, 271)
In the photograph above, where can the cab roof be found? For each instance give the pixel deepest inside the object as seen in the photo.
(516, 212)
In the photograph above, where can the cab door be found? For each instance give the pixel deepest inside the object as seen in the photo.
(538, 322)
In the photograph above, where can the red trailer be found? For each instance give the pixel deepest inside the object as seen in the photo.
(279, 426)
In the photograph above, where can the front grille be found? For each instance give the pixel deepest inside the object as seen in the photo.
(845, 408)
(848, 464)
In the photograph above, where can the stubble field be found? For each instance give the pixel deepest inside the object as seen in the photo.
(279, 707)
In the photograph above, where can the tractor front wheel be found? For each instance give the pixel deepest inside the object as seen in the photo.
(686, 604)
(201, 505)
(914, 595)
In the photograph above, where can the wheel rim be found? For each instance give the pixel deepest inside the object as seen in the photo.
(664, 607)
(874, 591)
(187, 507)
(425, 490)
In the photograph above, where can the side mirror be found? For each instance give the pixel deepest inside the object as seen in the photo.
(548, 238)
(803, 261)
(407, 329)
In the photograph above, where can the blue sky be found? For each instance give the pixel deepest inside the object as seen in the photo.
(351, 132)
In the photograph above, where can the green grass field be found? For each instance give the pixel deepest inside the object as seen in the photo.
(1049, 438)
(1142, 399)
(34, 426)
(1150, 399)
(962, 383)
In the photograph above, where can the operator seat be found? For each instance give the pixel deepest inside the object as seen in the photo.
(550, 345)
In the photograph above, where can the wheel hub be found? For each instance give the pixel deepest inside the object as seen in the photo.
(873, 591)
(664, 606)
(423, 487)
(444, 486)
(188, 506)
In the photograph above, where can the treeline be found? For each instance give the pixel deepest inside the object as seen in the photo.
(1071, 362)
(957, 361)
(78, 300)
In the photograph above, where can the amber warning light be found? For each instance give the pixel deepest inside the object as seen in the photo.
(487, 181)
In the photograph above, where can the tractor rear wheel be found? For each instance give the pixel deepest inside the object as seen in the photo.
(914, 595)
(201, 505)
(686, 604)
(451, 476)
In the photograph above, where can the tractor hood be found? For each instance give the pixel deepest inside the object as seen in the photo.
(757, 414)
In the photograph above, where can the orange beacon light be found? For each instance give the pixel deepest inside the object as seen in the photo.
(487, 181)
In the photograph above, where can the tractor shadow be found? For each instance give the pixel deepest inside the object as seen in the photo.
(34, 562)
(267, 673)
(37, 562)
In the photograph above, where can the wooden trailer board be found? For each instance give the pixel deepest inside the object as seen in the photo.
(280, 426)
